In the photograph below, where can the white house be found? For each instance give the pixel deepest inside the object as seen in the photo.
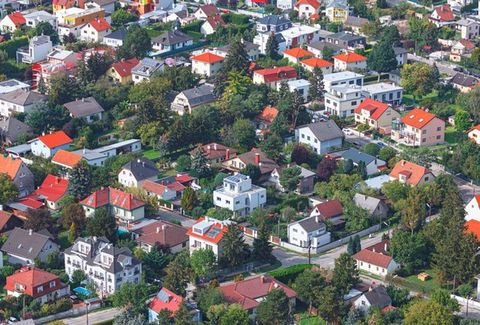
(47, 145)
(170, 41)
(115, 39)
(207, 64)
(469, 28)
(36, 17)
(285, 4)
(472, 209)
(320, 136)
(137, 171)
(239, 195)
(342, 78)
(146, 69)
(384, 92)
(301, 86)
(307, 8)
(373, 165)
(211, 25)
(308, 232)
(95, 30)
(342, 100)
(374, 259)
(299, 35)
(374, 297)
(474, 134)
(12, 22)
(261, 40)
(350, 61)
(105, 265)
(87, 109)
(19, 101)
(38, 49)
(208, 233)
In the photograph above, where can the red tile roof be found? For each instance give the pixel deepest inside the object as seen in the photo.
(247, 292)
(176, 186)
(317, 63)
(445, 13)
(216, 228)
(162, 234)
(375, 108)
(268, 114)
(374, 258)
(216, 150)
(100, 24)
(209, 10)
(469, 45)
(66, 158)
(350, 57)
(414, 172)
(277, 74)
(330, 209)
(10, 166)
(124, 67)
(208, 57)
(418, 118)
(153, 187)
(184, 179)
(298, 53)
(32, 278)
(216, 21)
(17, 18)
(314, 3)
(473, 227)
(166, 299)
(55, 139)
(52, 189)
(4, 218)
(110, 195)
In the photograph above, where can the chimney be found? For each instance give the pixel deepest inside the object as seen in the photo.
(158, 230)
(215, 146)
(209, 149)
(317, 219)
(257, 158)
(30, 231)
(227, 154)
(403, 162)
(83, 100)
(373, 249)
(262, 278)
(386, 247)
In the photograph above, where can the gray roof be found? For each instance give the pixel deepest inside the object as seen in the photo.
(247, 45)
(147, 67)
(321, 45)
(11, 128)
(378, 297)
(172, 37)
(23, 97)
(119, 34)
(399, 50)
(356, 21)
(83, 107)
(366, 202)
(338, 4)
(273, 20)
(200, 95)
(346, 36)
(356, 156)
(464, 80)
(141, 168)
(311, 224)
(326, 130)
(24, 244)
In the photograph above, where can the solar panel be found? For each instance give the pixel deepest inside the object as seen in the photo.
(163, 296)
(213, 233)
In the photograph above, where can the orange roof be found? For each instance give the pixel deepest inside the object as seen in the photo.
(208, 57)
(215, 232)
(277, 74)
(9, 166)
(30, 279)
(298, 53)
(473, 227)
(66, 158)
(350, 57)
(371, 257)
(100, 24)
(476, 127)
(268, 114)
(375, 108)
(110, 195)
(414, 172)
(418, 118)
(17, 18)
(317, 63)
(55, 139)
(166, 299)
(124, 67)
(314, 3)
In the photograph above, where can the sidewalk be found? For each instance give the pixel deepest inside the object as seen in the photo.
(93, 317)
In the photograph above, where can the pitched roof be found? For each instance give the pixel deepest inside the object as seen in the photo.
(469, 45)
(209, 10)
(124, 67)
(24, 243)
(11, 128)
(356, 156)
(374, 107)
(216, 21)
(83, 107)
(298, 52)
(329, 209)
(356, 21)
(200, 95)
(17, 18)
(10, 166)
(350, 57)
(268, 114)
(366, 202)
(23, 97)
(378, 297)
(273, 20)
(444, 12)
(119, 34)
(162, 234)
(208, 229)
(141, 168)
(338, 4)
(216, 150)
(53, 188)
(154, 187)
(248, 293)
(4, 218)
(100, 24)
(472, 226)
(464, 80)
(418, 118)
(276, 74)
(30, 278)
(314, 3)
(166, 299)
(55, 139)
(267, 165)
(413, 171)
(110, 195)
(374, 258)
(323, 131)
(208, 57)
(317, 63)
(311, 224)
(172, 37)
(66, 158)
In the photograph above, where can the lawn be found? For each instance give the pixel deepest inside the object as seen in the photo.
(426, 287)
(312, 320)
(452, 135)
(151, 154)
(409, 101)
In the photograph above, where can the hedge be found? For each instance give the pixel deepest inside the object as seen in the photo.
(289, 274)
(13, 45)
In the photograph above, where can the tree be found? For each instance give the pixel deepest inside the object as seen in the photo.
(237, 58)
(275, 309)
(357, 244)
(325, 169)
(178, 274)
(347, 166)
(409, 249)
(73, 213)
(308, 283)
(442, 297)
(271, 48)
(418, 79)
(290, 177)
(182, 316)
(244, 134)
(316, 84)
(300, 154)
(189, 199)
(203, 262)
(129, 317)
(78, 276)
(164, 317)
(63, 88)
(400, 296)
(382, 58)
(234, 247)
(153, 263)
(121, 17)
(184, 163)
(79, 181)
(102, 223)
(131, 295)
(462, 120)
(252, 171)
(423, 32)
(345, 274)
(8, 189)
(45, 28)
(427, 312)
(372, 149)
(362, 169)
(414, 213)
(137, 43)
(209, 297)
(235, 315)
(350, 247)
(262, 248)
(386, 153)
(328, 303)
(199, 163)
(272, 145)
(38, 219)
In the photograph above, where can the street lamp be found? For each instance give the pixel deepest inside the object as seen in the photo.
(468, 298)
(88, 305)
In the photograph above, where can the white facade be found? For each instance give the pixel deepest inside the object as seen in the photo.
(38, 49)
(377, 269)
(384, 92)
(239, 195)
(37, 17)
(92, 35)
(342, 78)
(300, 234)
(261, 40)
(299, 35)
(474, 135)
(305, 136)
(342, 100)
(208, 234)
(41, 150)
(468, 28)
(341, 65)
(112, 42)
(285, 4)
(206, 68)
(302, 86)
(472, 209)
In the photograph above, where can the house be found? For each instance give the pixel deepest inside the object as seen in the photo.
(42, 286)
(300, 35)
(41, 16)
(85, 108)
(474, 134)
(460, 49)
(25, 246)
(296, 54)
(463, 82)
(66, 159)
(419, 128)
(400, 55)
(342, 78)
(261, 39)
(205, 11)
(47, 145)
(346, 41)
(329, 210)
(273, 24)
(253, 157)
(341, 100)
(105, 265)
(207, 64)
(211, 25)
(115, 39)
(310, 232)
(125, 207)
(216, 153)
(37, 50)
(468, 28)
(12, 22)
(121, 71)
(285, 4)
(375, 259)
(51, 191)
(376, 115)
(305, 186)
(95, 30)
(19, 173)
(377, 209)
(350, 61)
(97, 157)
(300, 86)
(162, 235)
(386, 92)
(312, 63)
(337, 11)
(251, 292)
(107, 5)
(8, 221)
(171, 41)
(266, 118)
(272, 77)
(164, 300)
(146, 69)
(164, 192)
(12, 130)
(58, 61)
(137, 171)
(373, 165)
(472, 209)
(442, 16)
(320, 47)
(59, 5)
(239, 195)
(19, 101)
(307, 8)
(252, 50)
(71, 21)
(192, 98)
(208, 233)
(321, 136)
(11, 85)
(410, 173)
(355, 23)
(374, 297)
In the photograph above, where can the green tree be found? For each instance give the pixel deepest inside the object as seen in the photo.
(271, 48)
(262, 248)
(372, 149)
(414, 214)
(102, 223)
(308, 283)
(121, 17)
(316, 84)
(137, 43)
(153, 264)
(386, 153)
(182, 316)
(328, 303)
(235, 315)
(442, 297)
(45, 28)
(184, 163)
(275, 309)
(199, 163)
(234, 248)
(409, 249)
(418, 79)
(357, 244)
(423, 32)
(78, 276)
(8, 189)
(178, 274)
(237, 58)
(209, 297)
(272, 145)
(189, 200)
(63, 88)
(38, 219)
(362, 169)
(132, 295)
(427, 312)
(290, 177)
(79, 181)
(400, 296)
(252, 171)
(345, 274)
(382, 58)
(203, 262)
(73, 213)
(244, 134)
(462, 120)
(347, 166)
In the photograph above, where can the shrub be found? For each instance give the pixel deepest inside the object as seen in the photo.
(289, 274)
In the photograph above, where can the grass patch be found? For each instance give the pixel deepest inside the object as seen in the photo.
(414, 284)
(452, 135)
(289, 274)
(311, 320)
(408, 98)
(151, 154)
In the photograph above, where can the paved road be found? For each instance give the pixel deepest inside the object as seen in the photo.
(175, 216)
(93, 317)
(442, 67)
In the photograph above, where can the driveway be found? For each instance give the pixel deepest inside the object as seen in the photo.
(175, 216)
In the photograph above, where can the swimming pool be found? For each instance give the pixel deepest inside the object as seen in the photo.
(82, 291)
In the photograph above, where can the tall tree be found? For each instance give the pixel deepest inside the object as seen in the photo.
(427, 312)
(275, 309)
(345, 274)
(73, 213)
(131, 295)
(271, 48)
(137, 43)
(178, 274)
(189, 199)
(328, 303)
(410, 250)
(80, 181)
(237, 58)
(235, 315)
(362, 169)
(290, 177)
(262, 248)
(183, 316)
(102, 223)
(199, 163)
(8, 189)
(414, 214)
(208, 297)
(203, 262)
(252, 171)
(244, 134)
(234, 248)
(45, 28)
(38, 219)
(418, 79)
(316, 84)
(308, 283)
(63, 88)
(382, 58)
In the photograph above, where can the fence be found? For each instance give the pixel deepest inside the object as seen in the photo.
(69, 313)
(464, 301)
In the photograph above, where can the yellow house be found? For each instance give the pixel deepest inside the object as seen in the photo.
(121, 71)
(84, 17)
(337, 11)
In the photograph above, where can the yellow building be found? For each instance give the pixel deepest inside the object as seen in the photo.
(121, 71)
(337, 11)
(84, 17)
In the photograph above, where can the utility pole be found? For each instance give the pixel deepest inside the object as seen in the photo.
(309, 248)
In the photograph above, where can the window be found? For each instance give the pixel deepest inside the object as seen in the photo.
(424, 131)
(354, 103)
(52, 284)
(40, 289)
(308, 137)
(439, 128)
(438, 137)
(424, 140)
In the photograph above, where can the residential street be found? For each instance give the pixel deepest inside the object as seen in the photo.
(442, 67)
(93, 317)
(175, 216)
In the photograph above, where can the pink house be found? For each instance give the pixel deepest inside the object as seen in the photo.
(419, 128)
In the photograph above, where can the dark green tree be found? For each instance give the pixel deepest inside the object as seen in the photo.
(252, 171)
(73, 213)
(153, 264)
(235, 249)
(410, 250)
(137, 43)
(357, 245)
(45, 28)
(362, 169)
(271, 48)
(345, 274)
(413, 216)
(244, 134)
(183, 316)
(8, 189)
(79, 185)
(199, 163)
(262, 248)
(237, 58)
(275, 309)
(102, 223)
(308, 283)
(290, 177)
(132, 295)
(328, 303)
(382, 58)
(316, 84)
(178, 274)
(39, 219)
(209, 297)
(121, 17)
